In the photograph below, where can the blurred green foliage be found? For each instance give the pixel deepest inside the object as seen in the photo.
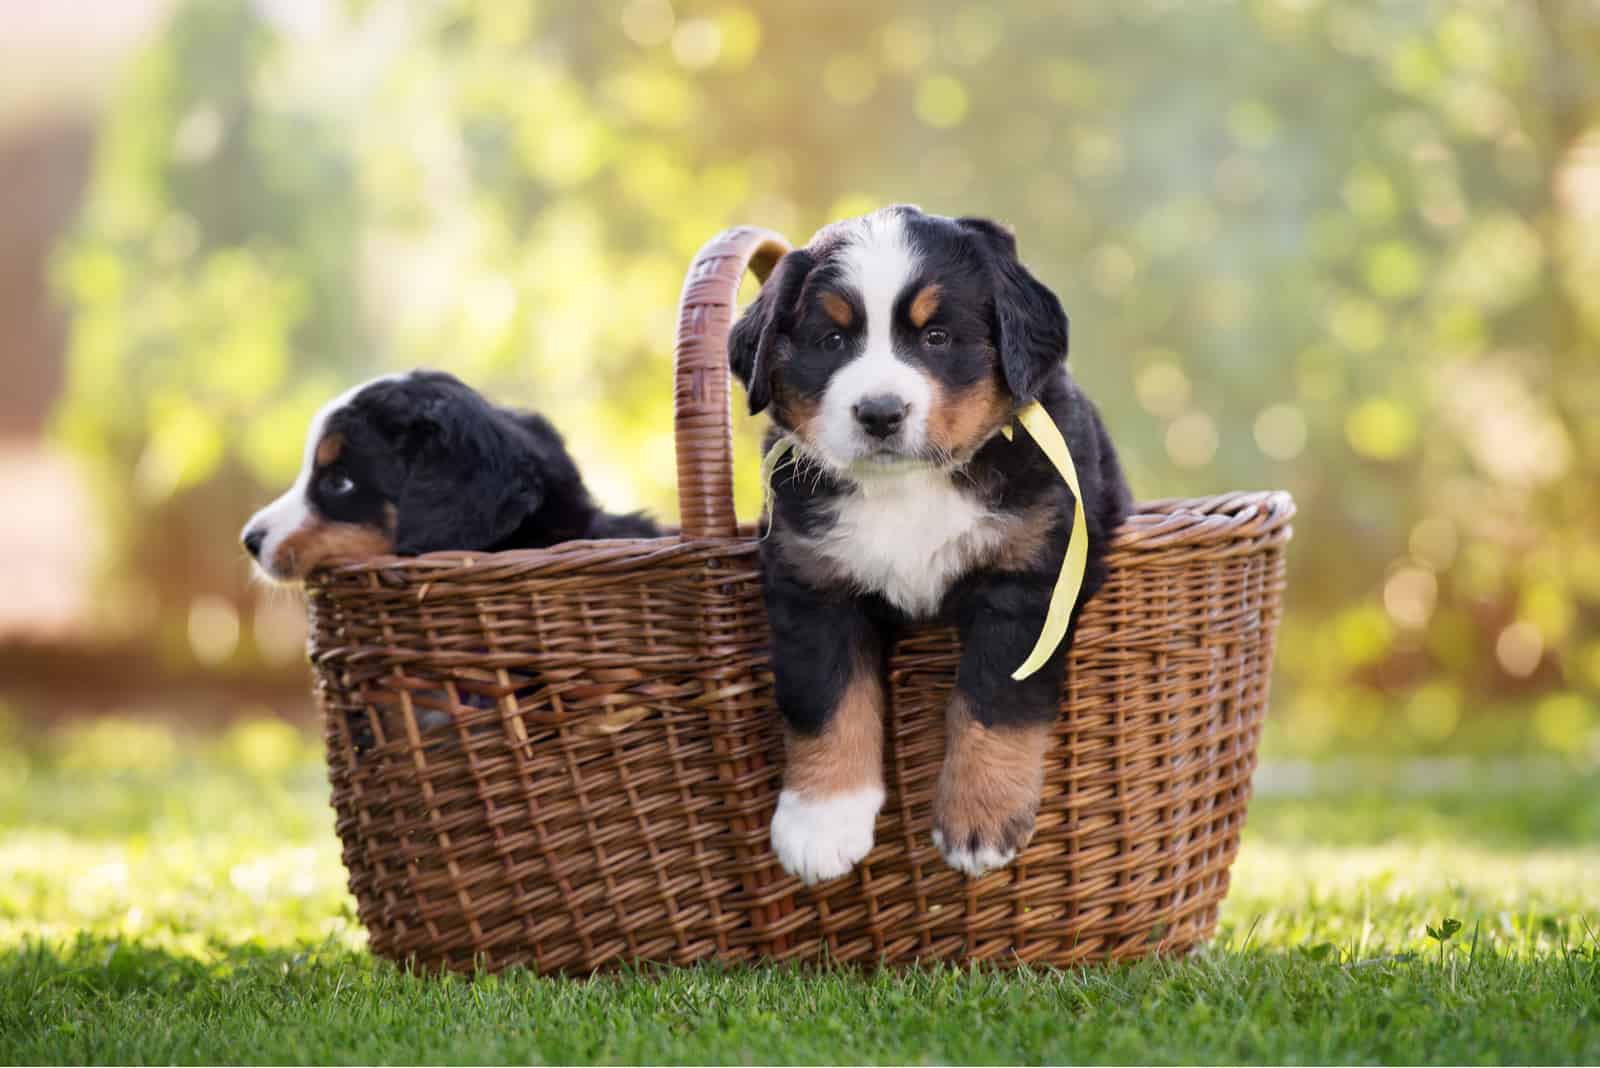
(1344, 248)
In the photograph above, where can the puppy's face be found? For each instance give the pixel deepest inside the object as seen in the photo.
(404, 463)
(342, 504)
(899, 338)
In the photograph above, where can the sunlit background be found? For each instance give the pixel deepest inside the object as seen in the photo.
(1349, 249)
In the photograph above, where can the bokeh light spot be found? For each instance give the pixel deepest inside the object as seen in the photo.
(1252, 123)
(941, 102)
(741, 36)
(1381, 429)
(971, 36)
(1394, 270)
(1363, 634)
(907, 43)
(1192, 440)
(266, 748)
(198, 135)
(1466, 41)
(1409, 596)
(213, 629)
(1163, 388)
(119, 744)
(1563, 721)
(697, 43)
(1548, 606)
(1281, 431)
(1097, 155)
(1370, 194)
(1519, 649)
(648, 22)
(1359, 325)
(1113, 269)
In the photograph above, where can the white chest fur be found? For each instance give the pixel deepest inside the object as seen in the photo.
(908, 536)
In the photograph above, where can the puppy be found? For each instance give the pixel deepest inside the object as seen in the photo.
(418, 462)
(892, 351)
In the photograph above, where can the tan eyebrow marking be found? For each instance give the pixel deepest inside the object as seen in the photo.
(925, 304)
(837, 308)
(328, 449)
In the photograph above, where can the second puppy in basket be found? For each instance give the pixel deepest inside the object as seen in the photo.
(417, 462)
(895, 351)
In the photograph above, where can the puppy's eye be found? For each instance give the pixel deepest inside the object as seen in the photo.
(337, 485)
(833, 342)
(936, 338)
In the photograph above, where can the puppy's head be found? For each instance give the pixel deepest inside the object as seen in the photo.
(406, 464)
(898, 338)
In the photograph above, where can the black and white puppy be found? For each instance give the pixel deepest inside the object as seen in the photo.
(892, 350)
(418, 462)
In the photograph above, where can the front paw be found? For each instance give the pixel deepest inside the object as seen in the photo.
(817, 839)
(977, 847)
(988, 795)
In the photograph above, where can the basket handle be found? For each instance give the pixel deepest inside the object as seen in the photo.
(702, 422)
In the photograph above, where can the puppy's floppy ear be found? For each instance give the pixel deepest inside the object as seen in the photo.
(470, 479)
(1030, 323)
(753, 343)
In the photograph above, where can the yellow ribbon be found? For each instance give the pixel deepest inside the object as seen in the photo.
(1037, 422)
(769, 467)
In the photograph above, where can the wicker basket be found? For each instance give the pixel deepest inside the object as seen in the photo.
(568, 758)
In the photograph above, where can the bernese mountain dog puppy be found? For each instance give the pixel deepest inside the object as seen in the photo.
(892, 351)
(418, 462)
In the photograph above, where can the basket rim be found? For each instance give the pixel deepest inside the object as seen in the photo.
(1155, 525)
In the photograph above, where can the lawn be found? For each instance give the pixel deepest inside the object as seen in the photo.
(176, 901)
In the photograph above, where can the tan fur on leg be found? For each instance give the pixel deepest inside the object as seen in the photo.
(833, 787)
(848, 754)
(988, 793)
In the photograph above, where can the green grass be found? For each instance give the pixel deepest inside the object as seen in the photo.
(173, 902)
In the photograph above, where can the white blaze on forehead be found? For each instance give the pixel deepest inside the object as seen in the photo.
(876, 261)
(292, 511)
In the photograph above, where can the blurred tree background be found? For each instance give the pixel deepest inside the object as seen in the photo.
(1349, 249)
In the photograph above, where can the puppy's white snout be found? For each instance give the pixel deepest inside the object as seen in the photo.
(263, 536)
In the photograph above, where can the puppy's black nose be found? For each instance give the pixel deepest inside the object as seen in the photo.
(253, 539)
(882, 415)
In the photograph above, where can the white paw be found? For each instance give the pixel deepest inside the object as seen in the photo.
(822, 839)
(973, 862)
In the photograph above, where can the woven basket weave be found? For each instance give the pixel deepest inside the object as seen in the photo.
(568, 758)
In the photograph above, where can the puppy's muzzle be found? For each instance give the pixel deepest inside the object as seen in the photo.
(881, 416)
(253, 539)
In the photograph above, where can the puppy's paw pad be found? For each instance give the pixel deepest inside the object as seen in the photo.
(974, 858)
(978, 850)
(817, 839)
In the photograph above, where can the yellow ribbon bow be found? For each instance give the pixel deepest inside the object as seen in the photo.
(1037, 422)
